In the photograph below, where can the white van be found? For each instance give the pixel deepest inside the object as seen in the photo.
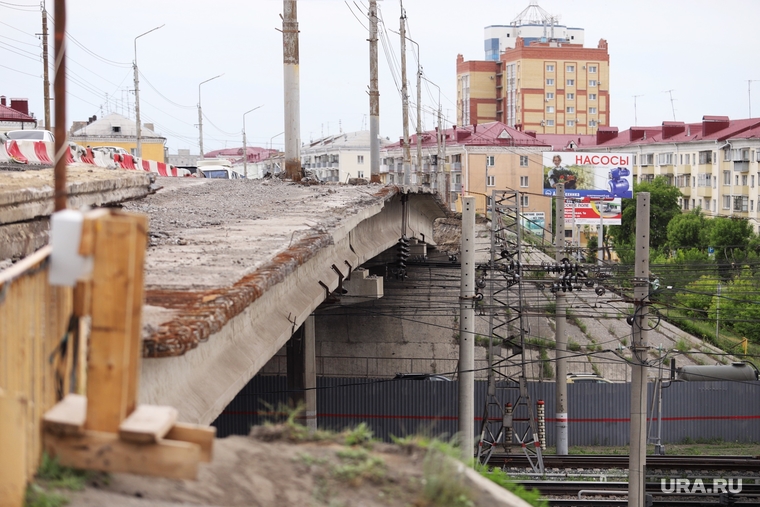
(216, 168)
(31, 135)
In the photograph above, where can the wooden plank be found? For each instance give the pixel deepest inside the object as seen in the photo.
(82, 297)
(140, 245)
(108, 369)
(25, 264)
(201, 435)
(13, 445)
(96, 450)
(87, 240)
(68, 416)
(148, 424)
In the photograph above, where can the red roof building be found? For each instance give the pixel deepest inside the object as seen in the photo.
(16, 115)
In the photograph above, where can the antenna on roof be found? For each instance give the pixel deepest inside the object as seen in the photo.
(635, 115)
(671, 103)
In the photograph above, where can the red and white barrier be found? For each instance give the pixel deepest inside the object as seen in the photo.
(41, 152)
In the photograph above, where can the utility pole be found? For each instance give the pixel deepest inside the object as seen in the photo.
(405, 101)
(292, 90)
(45, 78)
(637, 458)
(374, 97)
(245, 144)
(59, 88)
(600, 252)
(439, 159)
(717, 314)
(200, 114)
(418, 178)
(560, 334)
(672, 105)
(467, 329)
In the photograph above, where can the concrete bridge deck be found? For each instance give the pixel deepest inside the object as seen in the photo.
(235, 267)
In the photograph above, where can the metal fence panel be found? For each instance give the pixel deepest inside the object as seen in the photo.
(598, 413)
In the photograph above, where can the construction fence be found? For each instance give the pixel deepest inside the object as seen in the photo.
(598, 413)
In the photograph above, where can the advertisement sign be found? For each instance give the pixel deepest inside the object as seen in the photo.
(589, 176)
(587, 212)
(534, 222)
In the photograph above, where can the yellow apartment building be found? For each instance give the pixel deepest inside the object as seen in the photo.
(121, 132)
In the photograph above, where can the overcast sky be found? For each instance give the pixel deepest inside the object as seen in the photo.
(703, 50)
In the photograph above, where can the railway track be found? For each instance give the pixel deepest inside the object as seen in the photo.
(613, 494)
(732, 463)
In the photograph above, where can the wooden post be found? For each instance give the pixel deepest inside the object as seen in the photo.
(13, 461)
(118, 245)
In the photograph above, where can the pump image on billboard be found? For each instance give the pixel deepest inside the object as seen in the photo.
(588, 176)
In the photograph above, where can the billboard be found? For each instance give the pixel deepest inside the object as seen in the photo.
(534, 222)
(588, 176)
(588, 212)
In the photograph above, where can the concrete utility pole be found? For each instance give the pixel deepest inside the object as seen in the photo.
(200, 114)
(405, 101)
(637, 458)
(138, 150)
(560, 333)
(419, 119)
(292, 90)
(45, 65)
(467, 329)
(59, 87)
(374, 97)
(600, 252)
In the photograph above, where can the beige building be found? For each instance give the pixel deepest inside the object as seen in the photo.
(121, 132)
(478, 160)
(549, 87)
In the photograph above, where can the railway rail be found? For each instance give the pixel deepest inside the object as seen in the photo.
(732, 463)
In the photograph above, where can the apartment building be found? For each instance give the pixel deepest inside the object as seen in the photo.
(476, 160)
(339, 157)
(715, 163)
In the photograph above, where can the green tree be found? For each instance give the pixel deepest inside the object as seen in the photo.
(663, 207)
(739, 308)
(697, 296)
(688, 230)
(731, 238)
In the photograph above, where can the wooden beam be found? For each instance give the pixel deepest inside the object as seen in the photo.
(148, 424)
(117, 293)
(201, 435)
(13, 445)
(95, 450)
(67, 417)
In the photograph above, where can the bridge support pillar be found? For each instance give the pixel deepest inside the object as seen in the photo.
(302, 372)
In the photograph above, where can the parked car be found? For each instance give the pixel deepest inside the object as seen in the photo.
(31, 135)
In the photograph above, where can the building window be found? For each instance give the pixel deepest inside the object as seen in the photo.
(550, 96)
(489, 160)
(744, 180)
(752, 205)
(524, 201)
(571, 82)
(570, 96)
(705, 157)
(591, 110)
(570, 123)
(592, 83)
(665, 159)
(592, 69)
(715, 205)
(550, 68)
(524, 161)
(360, 174)
(726, 202)
(647, 159)
(570, 109)
(592, 96)
(592, 123)
(688, 159)
(549, 123)
(549, 109)
(523, 181)
(549, 82)
(726, 177)
(571, 68)
(360, 160)
(752, 181)
(490, 180)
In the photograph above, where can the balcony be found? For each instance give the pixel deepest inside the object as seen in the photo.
(666, 169)
(383, 168)
(704, 192)
(456, 187)
(742, 166)
(686, 191)
(456, 166)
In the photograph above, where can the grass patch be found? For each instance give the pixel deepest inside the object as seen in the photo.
(53, 476)
(576, 321)
(682, 345)
(573, 346)
(546, 365)
(361, 435)
(532, 496)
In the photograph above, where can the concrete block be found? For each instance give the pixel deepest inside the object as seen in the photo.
(361, 288)
(405, 350)
(344, 367)
(358, 350)
(389, 367)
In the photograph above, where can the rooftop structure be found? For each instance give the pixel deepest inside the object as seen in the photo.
(120, 131)
(16, 115)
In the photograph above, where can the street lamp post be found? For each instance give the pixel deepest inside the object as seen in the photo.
(245, 147)
(200, 113)
(138, 150)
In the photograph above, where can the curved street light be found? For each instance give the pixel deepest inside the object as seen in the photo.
(138, 149)
(245, 147)
(200, 113)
